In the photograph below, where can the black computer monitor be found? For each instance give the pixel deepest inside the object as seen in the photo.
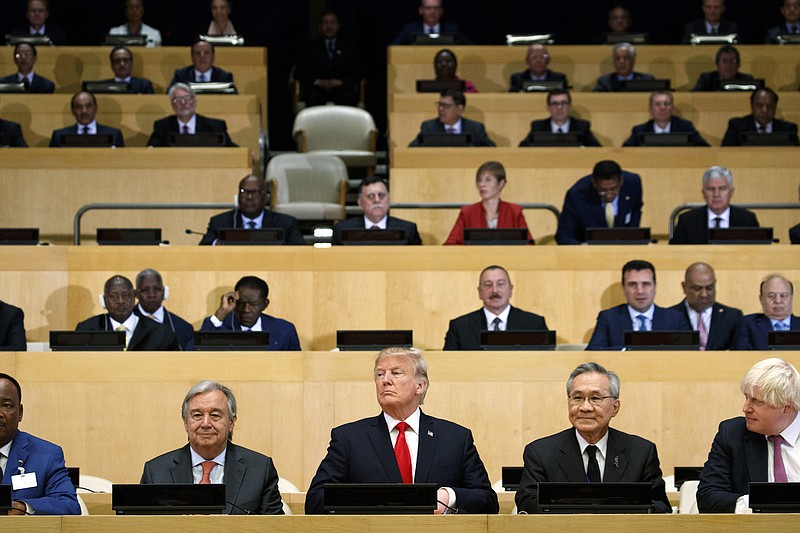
(662, 340)
(129, 236)
(437, 86)
(527, 340)
(75, 140)
(550, 139)
(536, 86)
(373, 339)
(87, 341)
(380, 498)
(434, 38)
(9, 236)
(496, 236)
(512, 477)
(223, 341)
(664, 139)
(774, 497)
(740, 235)
(198, 139)
(244, 236)
(105, 87)
(618, 235)
(686, 473)
(74, 475)
(444, 139)
(776, 138)
(172, 499)
(646, 86)
(594, 498)
(783, 340)
(125, 40)
(362, 237)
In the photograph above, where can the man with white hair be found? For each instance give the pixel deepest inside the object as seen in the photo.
(776, 294)
(762, 446)
(185, 121)
(624, 57)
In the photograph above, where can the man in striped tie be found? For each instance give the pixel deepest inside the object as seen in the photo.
(776, 296)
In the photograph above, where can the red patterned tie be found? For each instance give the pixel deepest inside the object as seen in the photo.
(402, 453)
(207, 466)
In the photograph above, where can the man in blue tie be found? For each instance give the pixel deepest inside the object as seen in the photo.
(776, 301)
(791, 22)
(639, 313)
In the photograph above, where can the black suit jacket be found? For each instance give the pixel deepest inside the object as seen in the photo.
(149, 335)
(164, 126)
(136, 85)
(610, 83)
(609, 332)
(183, 331)
(515, 85)
(709, 81)
(737, 457)
(576, 125)
(361, 452)
(558, 458)
(11, 135)
(474, 128)
(233, 219)
(251, 480)
(406, 35)
(186, 75)
(698, 27)
(677, 125)
(739, 125)
(692, 226)
(753, 331)
(55, 138)
(56, 33)
(773, 33)
(38, 85)
(346, 66)
(412, 235)
(464, 332)
(12, 328)
(724, 325)
(794, 234)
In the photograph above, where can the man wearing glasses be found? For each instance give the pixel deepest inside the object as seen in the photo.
(25, 59)
(590, 451)
(122, 65)
(728, 61)
(450, 107)
(185, 121)
(249, 213)
(559, 105)
(776, 297)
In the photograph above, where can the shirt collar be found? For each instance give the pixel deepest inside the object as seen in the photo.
(381, 223)
(126, 80)
(791, 433)
(659, 129)
(92, 127)
(412, 420)
(191, 123)
(563, 127)
(725, 216)
(503, 316)
(259, 220)
(456, 127)
(602, 444)
(158, 314)
(197, 459)
(649, 313)
(130, 323)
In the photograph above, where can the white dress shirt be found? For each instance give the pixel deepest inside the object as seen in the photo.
(217, 474)
(503, 316)
(602, 449)
(648, 317)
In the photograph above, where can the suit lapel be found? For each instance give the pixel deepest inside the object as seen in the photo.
(139, 333)
(234, 474)
(755, 449)
(571, 461)
(717, 317)
(378, 434)
(17, 456)
(428, 440)
(616, 458)
(181, 470)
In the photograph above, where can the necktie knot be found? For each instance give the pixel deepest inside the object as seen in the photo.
(779, 326)
(642, 322)
(251, 224)
(496, 323)
(185, 129)
(717, 222)
(403, 454)
(207, 467)
(84, 130)
(402, 427)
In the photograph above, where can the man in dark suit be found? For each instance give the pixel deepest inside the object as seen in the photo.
(639, 313)
(663, 121)
(739, 454)
(186, 121)
(450, 108)
(624, 57)
(693, 226)
(46, 488)
(609, 197)
(374, 200)
(25, 59)
(404, 445)
(716, 323)
(250, 478)
(431, 12)
(37, 14)
(538, 60)
(12, 328)
(122, 64)
(776, 295)
(711, 23)
(202, 68)
(790, 10)
(590, 450)
(141, 334)
(559, 105)
(330, 69)
(151, 293)
(242, 309)
(250, 213)
(764, 104)
(11, 135)
(728, 61)
(84, 109)
(494, 290)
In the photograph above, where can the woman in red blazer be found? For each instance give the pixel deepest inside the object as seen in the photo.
(491, 211)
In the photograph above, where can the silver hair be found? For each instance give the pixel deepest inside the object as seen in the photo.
(624, 46)
(146, 273)
(595, 368)
(777, 383)
(420, 365)
(179, 86)
(209, 386)
(718, 172)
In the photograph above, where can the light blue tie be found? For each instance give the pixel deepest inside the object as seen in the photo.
(779, 326)
(642, 322)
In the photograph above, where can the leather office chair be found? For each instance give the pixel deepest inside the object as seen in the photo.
(308, 186)
(347, 132)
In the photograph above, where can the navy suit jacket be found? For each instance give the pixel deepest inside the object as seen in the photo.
(412, 235)
(698, 27)
(737, 457)
(464, 332)
(754, 329)
(794, 234)
(677, 125)
(474, 128)
(55, 139)
(186, 75)
(583, 208)
(772, 33)
(692, 227)
(250, 478)
(558, 458)
(613, 323)
(183, 331)
(12, 328)
(54, 493)
(361, 452)
(38, 85)
(11, 135)
(576, 125)
(233, 219)
(56, 33)
(724, 325)
(709, 81)
(406, 35)
(609, 82)
(515, 85)
(149, 335)
(739, 125)
(282, 333)
(136, 85)
(164, 126)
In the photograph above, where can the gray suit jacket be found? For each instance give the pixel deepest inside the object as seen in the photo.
(251, 481)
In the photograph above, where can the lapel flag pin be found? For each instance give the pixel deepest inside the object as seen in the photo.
(616, 461)
(430, 433)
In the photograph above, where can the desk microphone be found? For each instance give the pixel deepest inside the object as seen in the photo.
(193, 232)
(234, 506)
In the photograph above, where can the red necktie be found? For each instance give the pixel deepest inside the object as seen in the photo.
(207, 466)
(402, 453)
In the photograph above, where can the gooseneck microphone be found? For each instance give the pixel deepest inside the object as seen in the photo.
(193, 232)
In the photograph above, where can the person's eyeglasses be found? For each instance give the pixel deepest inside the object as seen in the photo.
(445, 105)
(182, 99)
(559, 103)
(252, 193)
(595, 399)
(20, 55)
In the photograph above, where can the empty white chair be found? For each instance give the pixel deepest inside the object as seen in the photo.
(688, 501)
(344, 131)
(308, 186)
